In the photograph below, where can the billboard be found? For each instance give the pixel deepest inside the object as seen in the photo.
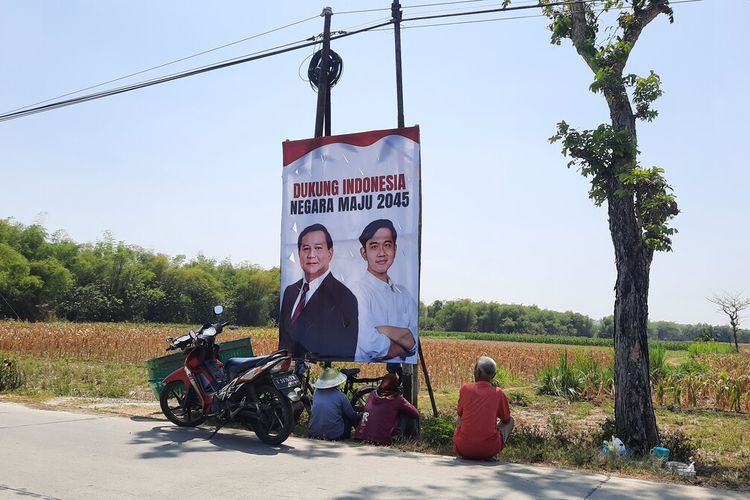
(350, 247)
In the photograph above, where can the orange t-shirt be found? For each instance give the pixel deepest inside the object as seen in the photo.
(479, 406)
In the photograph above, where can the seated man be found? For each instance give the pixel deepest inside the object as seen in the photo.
(332, 415)
(484, 421)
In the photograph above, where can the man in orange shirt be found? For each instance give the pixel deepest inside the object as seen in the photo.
(484, 421)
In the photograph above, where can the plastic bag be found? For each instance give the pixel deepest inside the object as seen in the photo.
(614, 447)
(619, 447)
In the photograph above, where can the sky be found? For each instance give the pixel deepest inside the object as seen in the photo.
(194, 166)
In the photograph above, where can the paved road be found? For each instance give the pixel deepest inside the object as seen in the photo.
(55, 454)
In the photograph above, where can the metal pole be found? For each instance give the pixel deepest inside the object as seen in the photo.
(328, 110)
(396, 15)
(411, 382)
(427, 381)
(323, 89)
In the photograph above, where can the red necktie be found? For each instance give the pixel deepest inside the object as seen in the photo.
(301, 304)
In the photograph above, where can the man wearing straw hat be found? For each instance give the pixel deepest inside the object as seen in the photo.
(332, 414)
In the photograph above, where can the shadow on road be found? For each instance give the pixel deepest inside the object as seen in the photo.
(165, 441)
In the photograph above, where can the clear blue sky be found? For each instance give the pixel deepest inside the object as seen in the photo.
(195, 165)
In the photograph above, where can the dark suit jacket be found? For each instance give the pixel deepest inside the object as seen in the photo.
(327, 326)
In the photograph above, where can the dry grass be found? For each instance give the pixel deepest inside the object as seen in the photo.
(449, 362)
(124, 342)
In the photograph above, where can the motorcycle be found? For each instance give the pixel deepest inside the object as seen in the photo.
(256, 392)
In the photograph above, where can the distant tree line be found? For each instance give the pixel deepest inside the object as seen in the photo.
(467, 316)
(47, 277)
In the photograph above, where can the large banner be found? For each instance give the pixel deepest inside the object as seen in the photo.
(350, 247)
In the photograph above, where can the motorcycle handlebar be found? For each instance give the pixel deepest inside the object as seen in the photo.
(192, 337)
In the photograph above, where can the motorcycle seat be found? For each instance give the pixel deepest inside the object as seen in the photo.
(239, 365)
(349, 371)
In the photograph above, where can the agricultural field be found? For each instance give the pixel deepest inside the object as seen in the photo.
(561, 395)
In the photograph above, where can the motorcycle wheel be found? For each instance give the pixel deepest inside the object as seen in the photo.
(275, 421)
(360, 398)
(181, 405)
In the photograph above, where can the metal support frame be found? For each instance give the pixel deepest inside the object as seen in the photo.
(323, 113)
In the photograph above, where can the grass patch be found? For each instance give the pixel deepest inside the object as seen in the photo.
(11, 376)
(671, 345)
(73, 377)
(699, 348)
(720, 443)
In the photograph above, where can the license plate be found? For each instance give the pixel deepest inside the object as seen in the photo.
(286, 381)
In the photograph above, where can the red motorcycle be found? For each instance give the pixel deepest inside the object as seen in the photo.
(255, 392)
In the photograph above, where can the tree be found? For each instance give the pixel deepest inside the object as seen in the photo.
(639, 200)
(732, 305)
(17, 284)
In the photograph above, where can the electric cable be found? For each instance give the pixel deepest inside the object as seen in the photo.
(176, 76)
(11, 307)
(288, 48)
(475, 21)
(408, 7)
(168, 63)
(672, 2)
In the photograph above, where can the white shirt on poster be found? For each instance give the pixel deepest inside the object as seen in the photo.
(382, 304)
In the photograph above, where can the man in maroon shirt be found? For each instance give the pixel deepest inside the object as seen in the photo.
(484, 421)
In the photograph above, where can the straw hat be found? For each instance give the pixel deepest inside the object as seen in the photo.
(329, 378)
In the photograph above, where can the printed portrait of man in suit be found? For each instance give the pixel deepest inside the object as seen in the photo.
(318, 313)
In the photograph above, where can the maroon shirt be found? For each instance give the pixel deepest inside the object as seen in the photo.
(380, 418)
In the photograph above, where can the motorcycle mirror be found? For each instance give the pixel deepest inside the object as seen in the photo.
(218, 309)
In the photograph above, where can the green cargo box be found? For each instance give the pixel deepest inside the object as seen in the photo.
(159, 368)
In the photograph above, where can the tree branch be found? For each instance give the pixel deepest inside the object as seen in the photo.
(641, 18)
(582, 34)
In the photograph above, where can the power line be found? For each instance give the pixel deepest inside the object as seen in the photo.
(388, 9)
(475, 21)
(530, 16)
(167, 63)
(499, 9)
(440, 4)
(519, 7)
(21, 112)
(156, 81)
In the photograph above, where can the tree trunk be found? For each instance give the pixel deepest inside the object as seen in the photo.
(634, 412)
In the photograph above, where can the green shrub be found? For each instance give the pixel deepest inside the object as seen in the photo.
(691, 367)
(681, 447)
(556, 443)
(560, 380)
(657, 365)
(670, 345)
(11, 376)
(528, 443)
(501, 377)
(438, 431)
(698, 348)
(518, 399)
(606, 430)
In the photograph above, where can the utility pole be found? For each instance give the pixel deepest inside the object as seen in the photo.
(396, 15)
(323, 113)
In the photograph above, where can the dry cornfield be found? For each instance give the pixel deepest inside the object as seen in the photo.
(126, 342)
(449, 362)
